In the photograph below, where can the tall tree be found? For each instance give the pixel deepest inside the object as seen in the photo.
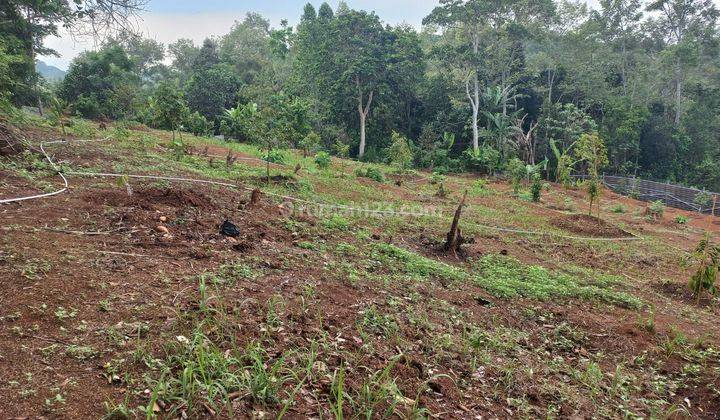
(686, 26)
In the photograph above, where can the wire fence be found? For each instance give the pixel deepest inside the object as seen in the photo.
(676, 196)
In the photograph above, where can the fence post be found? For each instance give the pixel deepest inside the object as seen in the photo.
(714, 204)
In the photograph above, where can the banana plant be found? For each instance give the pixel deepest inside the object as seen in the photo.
(565, 162)
(60, 110)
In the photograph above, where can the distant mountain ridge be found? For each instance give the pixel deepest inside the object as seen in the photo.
(51, 73)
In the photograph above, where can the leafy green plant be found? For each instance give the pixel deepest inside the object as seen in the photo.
(707, 259)
(656, 210)
(322, 160)
(370, 172)
(682, 220)
(593, 190)
(536, 188)
(399, 152)
(274, 156)
(618, 209)
(515, 169)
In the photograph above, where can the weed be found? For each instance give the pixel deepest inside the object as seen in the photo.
(376, 322)
(618, 208)
(682, 220)
(507, 277)
(336, 222)
(404, 261)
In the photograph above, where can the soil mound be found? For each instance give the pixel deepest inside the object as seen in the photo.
(150, 198)
(585, 225)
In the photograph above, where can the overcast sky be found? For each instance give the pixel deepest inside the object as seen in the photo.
(169, 20)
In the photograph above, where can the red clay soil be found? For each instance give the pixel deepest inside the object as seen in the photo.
(583, 224)
(91, 269)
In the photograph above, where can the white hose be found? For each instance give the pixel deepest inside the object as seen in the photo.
(32, 197)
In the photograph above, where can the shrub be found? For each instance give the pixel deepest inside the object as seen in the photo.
(707, 258)
(322, 160)
(618, 209)
(703, 199)
(437, 178)
(656, 210)
(274, 156)
(485, 160)
(198, 125)
(682, 220)
(370, 172)
(336, 222)
(399, 153)
(517, 172)
(536, 188)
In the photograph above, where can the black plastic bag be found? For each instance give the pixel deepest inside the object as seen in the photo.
(229, 229)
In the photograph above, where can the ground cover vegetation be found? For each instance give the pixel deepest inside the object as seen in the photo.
(388, 224)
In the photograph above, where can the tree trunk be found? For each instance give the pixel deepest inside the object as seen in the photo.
(474, 98)
(361, 152)
(363, 111)
(678, 99)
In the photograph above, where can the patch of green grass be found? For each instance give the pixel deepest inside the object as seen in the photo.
(506, 277)
(336, 222)
(374, 321)
(412, 264)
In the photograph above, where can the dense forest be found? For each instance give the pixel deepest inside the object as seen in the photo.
(482, 84)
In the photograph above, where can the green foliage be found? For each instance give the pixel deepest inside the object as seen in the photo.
(707, 259)
(274, 156)
(515, 169)
(656, 210)
(322, 160)
(211, 91)
(371, 172)
(618, 209)
(536, 188)
(336, 222)
(399, 152)
(310, 143)
(591, 149)
(414, 265)
(485, 160)
(198, 125)
(682, 220)
(101, 83)
(593, 190)
(170, 107)
(508, 278)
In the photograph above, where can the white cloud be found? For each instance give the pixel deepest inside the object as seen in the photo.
(168, 27)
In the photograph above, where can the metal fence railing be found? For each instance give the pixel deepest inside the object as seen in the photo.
(675, 196)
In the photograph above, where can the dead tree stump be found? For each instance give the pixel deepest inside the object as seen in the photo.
(454, 237)
(255, 197)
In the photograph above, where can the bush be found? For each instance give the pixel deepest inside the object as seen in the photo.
(274, 156)
(322, 160)
(198, 125)
(536, 188)
(370, 172)
(399, 153)
(656, 210)
(682, 220)
(516, 170)
(618, 209)
(486, 160)
(437, 178)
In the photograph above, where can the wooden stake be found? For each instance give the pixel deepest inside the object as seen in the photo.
(714, 204)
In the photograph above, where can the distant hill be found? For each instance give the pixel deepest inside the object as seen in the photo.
(51, 73)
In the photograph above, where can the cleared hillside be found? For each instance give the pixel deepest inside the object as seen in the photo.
(122, 297)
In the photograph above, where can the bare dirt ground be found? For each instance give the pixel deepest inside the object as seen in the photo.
(101, 287)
